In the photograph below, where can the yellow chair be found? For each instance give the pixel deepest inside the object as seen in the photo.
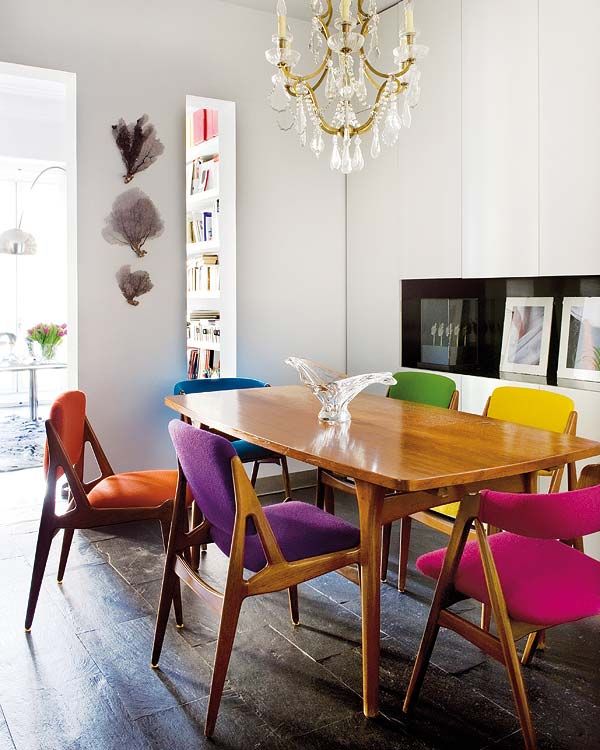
(524, 406)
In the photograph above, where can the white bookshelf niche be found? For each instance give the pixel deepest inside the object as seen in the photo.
(210, 174)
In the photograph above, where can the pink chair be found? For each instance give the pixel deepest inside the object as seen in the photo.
(530, 579)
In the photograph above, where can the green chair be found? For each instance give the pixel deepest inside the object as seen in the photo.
(421, 388)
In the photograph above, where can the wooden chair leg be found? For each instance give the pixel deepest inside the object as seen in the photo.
(515, 676)
(405, 529)
(175, 587)
(64, 554)
(294, 612)
(386, 535)
(177, 604)
(468, 508)
(287, 487)
(571, 477)
(254, 473)
(505, 636)
(486, 617)
(170, 579)
(329, 500)
(232, 603)
(533, 640)
(195, 551)
(42, 549)
(422, 661)
(320, 494)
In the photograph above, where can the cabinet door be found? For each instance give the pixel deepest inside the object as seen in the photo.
(500, 138)
(569, 142)
(429, 199)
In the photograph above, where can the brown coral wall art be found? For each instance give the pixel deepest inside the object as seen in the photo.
(133, 221)
(138, 144)
(133, 283)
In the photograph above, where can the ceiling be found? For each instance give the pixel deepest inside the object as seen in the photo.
(296, 8)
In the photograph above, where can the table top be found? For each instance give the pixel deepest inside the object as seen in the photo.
(396, 444)
(33, 365)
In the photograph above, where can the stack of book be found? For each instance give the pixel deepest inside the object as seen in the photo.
(203, 364)
(200, 228)
(203, 274)
(203, 175)
(201, 125)
(204, 334)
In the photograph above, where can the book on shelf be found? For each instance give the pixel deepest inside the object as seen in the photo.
(201, 227)
(203, 363)
(203, 276)
(203, 175)
(204, 125)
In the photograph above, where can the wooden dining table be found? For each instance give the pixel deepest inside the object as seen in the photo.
(389, 446)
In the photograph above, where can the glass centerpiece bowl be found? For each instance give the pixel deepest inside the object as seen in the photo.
(334, 389)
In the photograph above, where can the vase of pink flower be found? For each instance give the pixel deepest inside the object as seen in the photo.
(45, 338)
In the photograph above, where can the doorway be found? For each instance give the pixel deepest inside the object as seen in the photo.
(38, 321)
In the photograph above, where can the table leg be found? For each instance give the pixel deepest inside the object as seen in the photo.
(33, 396)
(370, 502)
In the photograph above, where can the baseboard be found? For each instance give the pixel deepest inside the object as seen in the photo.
(298, 479)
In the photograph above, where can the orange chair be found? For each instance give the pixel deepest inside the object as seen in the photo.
(109, 499)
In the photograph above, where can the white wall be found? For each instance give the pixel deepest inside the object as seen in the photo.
(145, 56)
(404, 209)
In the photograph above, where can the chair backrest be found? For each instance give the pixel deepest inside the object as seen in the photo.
(205, 459)
(206, 385)
(67, 415)
(559, 515)
(423, 388)
(531, 407)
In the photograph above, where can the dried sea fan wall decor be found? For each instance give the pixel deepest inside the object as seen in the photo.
(133, 283)
(133, 220)
(138, 144)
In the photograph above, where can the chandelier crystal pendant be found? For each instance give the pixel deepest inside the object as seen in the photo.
(355, 97)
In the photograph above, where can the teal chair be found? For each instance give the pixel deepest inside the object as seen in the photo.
(248, 452)
(421, 388)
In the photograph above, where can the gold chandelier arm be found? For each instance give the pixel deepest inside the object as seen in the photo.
(329, 129)
(362, 16)
(327, 16)
(368, 124)
(405, 68)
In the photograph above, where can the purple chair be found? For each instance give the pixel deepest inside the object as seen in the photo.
(530, 579)
(283, 545)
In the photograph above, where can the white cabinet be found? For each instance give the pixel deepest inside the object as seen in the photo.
(500, 138)
(569, 142)
(429, 200)
(404, 208)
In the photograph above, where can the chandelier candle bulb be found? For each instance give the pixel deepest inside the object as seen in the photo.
(281, 19)
(409, 19)
(345, 11)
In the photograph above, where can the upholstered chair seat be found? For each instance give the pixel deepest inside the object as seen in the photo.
(134, 489)
(301, 531)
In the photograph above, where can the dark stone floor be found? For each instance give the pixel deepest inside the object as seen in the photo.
(82, 680)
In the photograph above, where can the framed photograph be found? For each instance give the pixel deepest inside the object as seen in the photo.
(579, 355)
(526, 335)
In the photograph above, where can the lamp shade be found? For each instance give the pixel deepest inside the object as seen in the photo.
(17, 242)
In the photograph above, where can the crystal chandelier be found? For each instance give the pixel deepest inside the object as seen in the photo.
(357, 97)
